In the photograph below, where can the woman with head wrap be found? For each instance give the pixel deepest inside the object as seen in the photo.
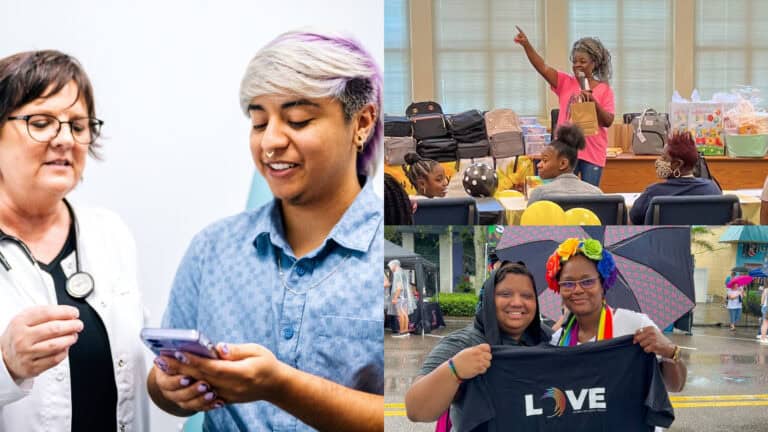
(581, 271)
(509, 316)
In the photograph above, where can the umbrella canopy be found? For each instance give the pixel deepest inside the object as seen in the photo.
(740, 269)
(745, 234)
(654, 263)
(758, 272)
(407, 258)
(742, 280)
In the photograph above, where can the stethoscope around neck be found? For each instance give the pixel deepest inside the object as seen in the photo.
(79, 284)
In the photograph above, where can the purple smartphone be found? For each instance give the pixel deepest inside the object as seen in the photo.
(165, 342)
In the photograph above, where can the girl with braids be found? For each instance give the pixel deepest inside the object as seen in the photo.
(581, 271)
(397, 206)
(557, 162)
(426, 175)
(590, 58)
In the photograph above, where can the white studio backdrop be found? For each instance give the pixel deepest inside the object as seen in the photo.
(166, 76)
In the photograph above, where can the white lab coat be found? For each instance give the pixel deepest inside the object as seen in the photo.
(108, 253)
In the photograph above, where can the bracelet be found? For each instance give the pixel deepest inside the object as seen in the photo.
(452, 367)
(676, 353)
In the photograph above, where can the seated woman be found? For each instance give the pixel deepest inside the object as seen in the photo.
(426, 175)
(509, 316)
(675, 166)
(557, 163)
(581, 271)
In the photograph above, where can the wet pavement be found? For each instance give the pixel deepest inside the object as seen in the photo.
(726, 390)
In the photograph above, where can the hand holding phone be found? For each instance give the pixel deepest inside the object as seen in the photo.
(165, 342)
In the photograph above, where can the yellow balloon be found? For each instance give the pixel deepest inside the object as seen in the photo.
(581, 216)
(509, 193)
(543, 213)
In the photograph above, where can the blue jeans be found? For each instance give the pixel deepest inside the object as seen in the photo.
(735, 315)
(590, 172)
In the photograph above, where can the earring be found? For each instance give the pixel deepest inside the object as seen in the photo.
(676, 173)
(360, 143)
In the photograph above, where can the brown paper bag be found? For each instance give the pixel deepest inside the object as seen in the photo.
(584, 114)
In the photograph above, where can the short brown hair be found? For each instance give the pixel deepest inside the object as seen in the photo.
(30, 75)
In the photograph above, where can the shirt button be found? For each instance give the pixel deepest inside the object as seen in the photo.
(287, 333)
(300, 270)
(120, 363)
(60, 376)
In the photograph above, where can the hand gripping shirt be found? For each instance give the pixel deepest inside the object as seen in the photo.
(322, 317)
(603, 386)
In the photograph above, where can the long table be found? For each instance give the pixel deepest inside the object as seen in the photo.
(630, 173)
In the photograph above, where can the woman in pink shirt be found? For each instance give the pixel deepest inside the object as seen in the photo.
(588, 56)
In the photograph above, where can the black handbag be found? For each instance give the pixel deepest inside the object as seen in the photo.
(427, 107)
(427, 126)
(396, 126)
(475, 149)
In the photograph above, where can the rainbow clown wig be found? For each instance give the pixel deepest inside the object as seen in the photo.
(590, 248)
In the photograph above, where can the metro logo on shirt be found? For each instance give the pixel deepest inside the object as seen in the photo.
(608, 385)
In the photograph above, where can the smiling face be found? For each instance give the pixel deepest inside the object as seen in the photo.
(582, 62)
(435, 184)
(581, 300)
(32, 170)
(515, 301)
(305, 148)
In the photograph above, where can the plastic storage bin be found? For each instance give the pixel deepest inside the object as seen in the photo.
(747, 145)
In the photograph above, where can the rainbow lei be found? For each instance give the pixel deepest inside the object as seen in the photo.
(590, 248)
(570, 334)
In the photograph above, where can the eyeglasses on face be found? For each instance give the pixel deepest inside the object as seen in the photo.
(584, 283)
(43, 128)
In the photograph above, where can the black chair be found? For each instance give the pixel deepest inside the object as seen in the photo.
(693, 210)
(446, 211)
(611, 209)
(553, 120)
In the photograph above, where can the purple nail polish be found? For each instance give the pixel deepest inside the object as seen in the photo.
(225, 349)
(210, 396)
(181, 357)
(202, 388)
(160, 363)
(218, 405)
(185, 381)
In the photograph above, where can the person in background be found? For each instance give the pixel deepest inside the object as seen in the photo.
(764, 204)
(675, 167)
(590, 58)
(557, 162)
(398, 209)
(401, 298)
(291, 290)
(466, 353)
(734, 296)
(70, 306)
(426, 175)
(764, 312)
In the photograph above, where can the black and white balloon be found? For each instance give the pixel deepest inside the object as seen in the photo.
(480, 180)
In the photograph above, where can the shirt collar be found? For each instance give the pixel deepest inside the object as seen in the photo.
(355, 230)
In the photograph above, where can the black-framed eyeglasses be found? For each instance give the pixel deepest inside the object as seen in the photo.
(43, 128)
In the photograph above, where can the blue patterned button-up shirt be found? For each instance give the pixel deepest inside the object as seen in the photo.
(325, 316)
